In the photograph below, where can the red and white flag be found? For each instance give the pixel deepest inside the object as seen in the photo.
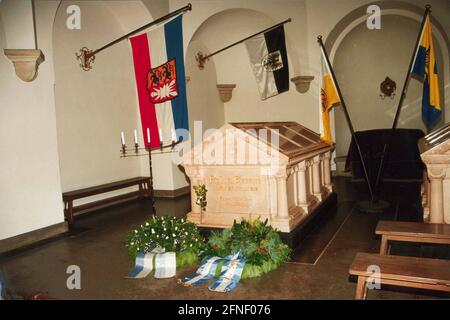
(160, 79)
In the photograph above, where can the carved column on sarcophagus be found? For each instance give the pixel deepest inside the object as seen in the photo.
(425, 192)
(273, 196)
(316, 178)
(309, 179)
(436, 174)
(294, 177)
(282, 196)
(302, 192)
(327, 171)
(322, 171)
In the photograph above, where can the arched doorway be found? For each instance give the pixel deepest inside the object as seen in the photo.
(362, 58)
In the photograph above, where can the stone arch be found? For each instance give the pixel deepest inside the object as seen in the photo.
(399, 8)
(92, 107)
(357, 17)
(220, 29)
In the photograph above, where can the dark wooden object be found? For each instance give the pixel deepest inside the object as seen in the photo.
(70, 196)
(422, 273)
(412, 232)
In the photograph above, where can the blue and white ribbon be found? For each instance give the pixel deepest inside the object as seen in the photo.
(165, 264)
(206, 272)
(229, 277)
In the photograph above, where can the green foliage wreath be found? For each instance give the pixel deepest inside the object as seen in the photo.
(259, 243)
(172, 234)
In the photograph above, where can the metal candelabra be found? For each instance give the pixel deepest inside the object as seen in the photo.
(139, 152)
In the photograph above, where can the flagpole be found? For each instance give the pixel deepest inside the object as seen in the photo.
(87, 56)
(347, 116)
(387, 144)
(202, 58)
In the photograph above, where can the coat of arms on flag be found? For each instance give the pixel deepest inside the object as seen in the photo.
(268, 58)
(158, 58)
(162, 82)
(329, 98)
(425, 68)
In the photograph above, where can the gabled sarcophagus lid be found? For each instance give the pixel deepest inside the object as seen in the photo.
(286, 142)
(294, 140)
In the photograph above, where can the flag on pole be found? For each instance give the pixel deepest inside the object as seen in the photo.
(158, 59)
(268, 59)
(329, 98)
(425, 68)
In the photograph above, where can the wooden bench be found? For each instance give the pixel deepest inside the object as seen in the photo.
(70, 196)
(412, 232)
(423, 273)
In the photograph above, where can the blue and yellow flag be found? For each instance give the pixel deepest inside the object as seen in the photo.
(425, 67)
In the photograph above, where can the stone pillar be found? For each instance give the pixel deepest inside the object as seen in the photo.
(436, 201)
(302, 194)
(327, 169)
(295, 184)
(316, 176)
(273, 195)
(310, 177)
(322, 171)
(427, 195)
(282, 197)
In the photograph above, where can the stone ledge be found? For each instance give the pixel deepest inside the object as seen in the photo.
(26, 62)
(302, 83)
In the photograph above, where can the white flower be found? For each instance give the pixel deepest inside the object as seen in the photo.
(157, 235)
(176, 228)
(190, 245)
(165, 229)
(167, 237)
(153, 231)
(186, 233)
(135, 231)
(174, 235)
(147, 224)
(182, 220)
(132, 243)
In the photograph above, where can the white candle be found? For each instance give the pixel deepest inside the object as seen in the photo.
(174, 135)
(148, 135)
(160, 135)
(122, 136)
(135, 136)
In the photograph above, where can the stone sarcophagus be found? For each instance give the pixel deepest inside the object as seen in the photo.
(435, 153)
(278, 171)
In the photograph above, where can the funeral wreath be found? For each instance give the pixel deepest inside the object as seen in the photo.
(259, 243)
(169, 233)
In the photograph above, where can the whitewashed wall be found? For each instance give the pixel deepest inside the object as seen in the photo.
(30, 187)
